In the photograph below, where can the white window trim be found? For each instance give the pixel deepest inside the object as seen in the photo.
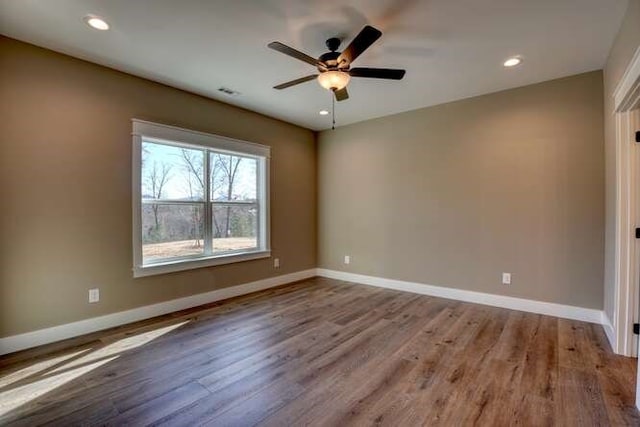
(176, 136)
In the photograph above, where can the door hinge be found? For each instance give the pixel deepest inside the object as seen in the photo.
(638, 136)
(638, 233)
(636, 328)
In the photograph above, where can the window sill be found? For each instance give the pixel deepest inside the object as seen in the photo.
(181, 265)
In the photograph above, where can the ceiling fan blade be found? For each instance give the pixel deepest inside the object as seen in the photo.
(296, 81)
(363, 40)
(283, 48)
(341, 94)
(377, 73)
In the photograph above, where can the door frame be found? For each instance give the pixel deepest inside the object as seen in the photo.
(627, 272)
(627, 249)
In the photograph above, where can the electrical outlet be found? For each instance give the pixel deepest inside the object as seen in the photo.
(276, 263)
(94, 295)
(347, 259)
(506, 278)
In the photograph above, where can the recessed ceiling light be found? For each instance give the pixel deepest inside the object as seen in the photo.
(96, 22)
(323, 112)
(512, 62)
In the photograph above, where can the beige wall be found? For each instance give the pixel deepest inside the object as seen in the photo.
(450, 195)
(456, 194)
(623, 49)
(65, 169)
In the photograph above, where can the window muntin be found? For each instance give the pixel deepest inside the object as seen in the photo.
(197, 205)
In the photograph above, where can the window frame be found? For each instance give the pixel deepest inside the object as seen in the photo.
(179, 137)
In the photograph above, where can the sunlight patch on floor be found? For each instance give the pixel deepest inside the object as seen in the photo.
(15, 397)
(79, 363)
(35, 368)
(120, 346)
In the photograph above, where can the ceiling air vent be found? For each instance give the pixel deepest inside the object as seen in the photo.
(228, 92)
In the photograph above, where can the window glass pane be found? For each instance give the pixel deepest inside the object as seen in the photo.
(233, 177)
(172, 173)
(235, 228)
(170, 231)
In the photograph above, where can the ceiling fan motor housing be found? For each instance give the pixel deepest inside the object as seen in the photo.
(331, 60)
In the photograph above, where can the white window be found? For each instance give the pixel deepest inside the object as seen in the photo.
(198, 199)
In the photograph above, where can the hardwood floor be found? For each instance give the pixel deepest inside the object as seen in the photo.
(321, 352)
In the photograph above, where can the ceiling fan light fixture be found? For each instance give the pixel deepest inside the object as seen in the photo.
(334, 80)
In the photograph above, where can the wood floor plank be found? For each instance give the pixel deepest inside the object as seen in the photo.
(367, 363)
(378, 387)
(581, 402)
(326, 353)
(540, 366)
(266, 357)
(455, 382)
(157, 408)
(574, 348)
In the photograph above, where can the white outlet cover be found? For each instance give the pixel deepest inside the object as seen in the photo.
(94, 295)
(276, 263)
(506, 278)
(347, 259)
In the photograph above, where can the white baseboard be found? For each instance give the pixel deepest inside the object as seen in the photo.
(70, 330)
(610, 332)
(57, 333)
(513, 303)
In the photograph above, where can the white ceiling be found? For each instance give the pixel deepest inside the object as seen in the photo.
(451, 49)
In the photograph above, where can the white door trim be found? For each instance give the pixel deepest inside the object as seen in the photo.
(625, 256)
(627, 94)
(626, 97)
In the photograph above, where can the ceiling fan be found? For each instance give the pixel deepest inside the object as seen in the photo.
(335, 67)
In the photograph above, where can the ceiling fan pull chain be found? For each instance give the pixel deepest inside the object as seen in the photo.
(333, 111)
